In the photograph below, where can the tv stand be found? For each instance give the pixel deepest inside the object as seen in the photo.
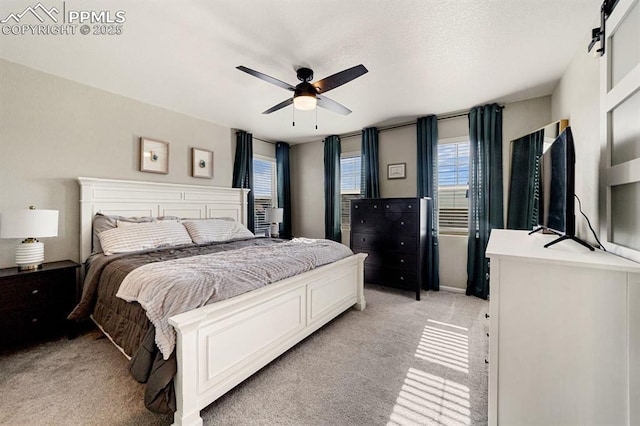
(539, 228)
(569, 237)
(544, 231)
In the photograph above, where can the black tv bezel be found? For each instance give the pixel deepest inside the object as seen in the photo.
(565, 137)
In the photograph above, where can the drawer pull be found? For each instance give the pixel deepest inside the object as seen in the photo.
(362, 221)
(375, 206)
(401, 260)
(402, 223)
(356, 206)
(34, 292)
(410, 206)
(486, 362)
(401, 278)
(34, 320)
(387, 206)
(401, 243)
(362, 239)
(486, 315)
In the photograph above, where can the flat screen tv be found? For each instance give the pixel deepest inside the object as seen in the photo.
(556, 178)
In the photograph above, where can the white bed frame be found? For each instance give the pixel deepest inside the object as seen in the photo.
(222, 344)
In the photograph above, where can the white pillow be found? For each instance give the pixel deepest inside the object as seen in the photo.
(210, 230)
(124, 223)
(142, 236)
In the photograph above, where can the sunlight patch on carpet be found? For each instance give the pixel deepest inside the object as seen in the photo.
(444, 347)
(427, 399)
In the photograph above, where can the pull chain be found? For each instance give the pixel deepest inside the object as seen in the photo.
(294, 115)
(316, 118)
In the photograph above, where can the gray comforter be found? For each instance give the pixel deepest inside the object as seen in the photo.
(171, 287)
(127, 323)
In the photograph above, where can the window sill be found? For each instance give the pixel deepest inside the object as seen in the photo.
(454, 232)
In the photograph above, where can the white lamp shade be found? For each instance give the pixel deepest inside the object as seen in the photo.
(305, 103)
(273, 215)
(28, 223)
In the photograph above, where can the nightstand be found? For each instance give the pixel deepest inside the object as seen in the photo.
(35, 304)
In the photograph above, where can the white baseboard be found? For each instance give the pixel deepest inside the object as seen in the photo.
(452, 289)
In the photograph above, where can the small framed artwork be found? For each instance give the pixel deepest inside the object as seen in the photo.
(396, 171)
(154, 156)
(201, 163)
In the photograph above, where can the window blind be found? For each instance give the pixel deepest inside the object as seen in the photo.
(350, 169)
(264, 188)
(453, 186)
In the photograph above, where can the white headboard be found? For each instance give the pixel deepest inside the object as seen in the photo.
(136, 198)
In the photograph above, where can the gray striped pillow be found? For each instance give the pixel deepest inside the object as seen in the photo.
(142, 236)
(210, 230)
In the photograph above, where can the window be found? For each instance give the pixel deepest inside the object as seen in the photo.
(453, 186)
(264, 190)
(350, 166)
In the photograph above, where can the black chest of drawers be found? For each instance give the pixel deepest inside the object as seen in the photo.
(393, 231)
(35, 304)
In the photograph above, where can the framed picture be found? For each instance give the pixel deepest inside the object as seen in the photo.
(396, 171)
(201, 163)
(154, 156)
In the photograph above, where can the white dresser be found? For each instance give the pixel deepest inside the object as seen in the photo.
(564, 334)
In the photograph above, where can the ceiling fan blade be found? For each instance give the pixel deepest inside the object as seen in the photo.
(332, 105)
(266, 78)
(340, 78)
(279, 106)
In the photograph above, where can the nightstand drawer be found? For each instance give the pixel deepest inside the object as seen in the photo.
(22, 294)
(35, 304)
(20, 326)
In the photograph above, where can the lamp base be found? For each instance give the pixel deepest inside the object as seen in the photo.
(30, 255)
(29, 267)
(274, 230)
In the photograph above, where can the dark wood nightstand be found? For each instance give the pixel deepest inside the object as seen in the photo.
(35, 304)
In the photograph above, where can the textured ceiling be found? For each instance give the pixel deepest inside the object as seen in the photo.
(423, 56)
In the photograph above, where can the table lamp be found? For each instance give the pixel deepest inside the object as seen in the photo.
(274, 217)
(29, 224)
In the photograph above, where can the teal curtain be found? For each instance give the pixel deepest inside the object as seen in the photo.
(370, 174)
(243, 171)
(283, 173)
(485, 192)
(332, 188)
(522, 211)
(427, 137)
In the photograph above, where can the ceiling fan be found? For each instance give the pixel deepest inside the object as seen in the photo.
(307, 95)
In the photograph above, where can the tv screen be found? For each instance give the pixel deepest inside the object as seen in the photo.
(556, 190)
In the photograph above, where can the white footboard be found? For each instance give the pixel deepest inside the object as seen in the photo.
(220, 345)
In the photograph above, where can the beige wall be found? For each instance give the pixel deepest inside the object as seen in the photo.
(307, 189)
(399, 146)
(53, 130)
(576, 97)
(262, 148)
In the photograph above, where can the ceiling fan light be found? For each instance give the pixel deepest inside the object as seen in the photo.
(305, 102)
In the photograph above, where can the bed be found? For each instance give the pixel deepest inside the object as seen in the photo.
(219, 345)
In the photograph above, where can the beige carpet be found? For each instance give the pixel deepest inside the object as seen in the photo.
(398, 362)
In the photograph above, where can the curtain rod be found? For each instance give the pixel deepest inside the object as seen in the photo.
(262, 140)
(410, 123)
(446, 116)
